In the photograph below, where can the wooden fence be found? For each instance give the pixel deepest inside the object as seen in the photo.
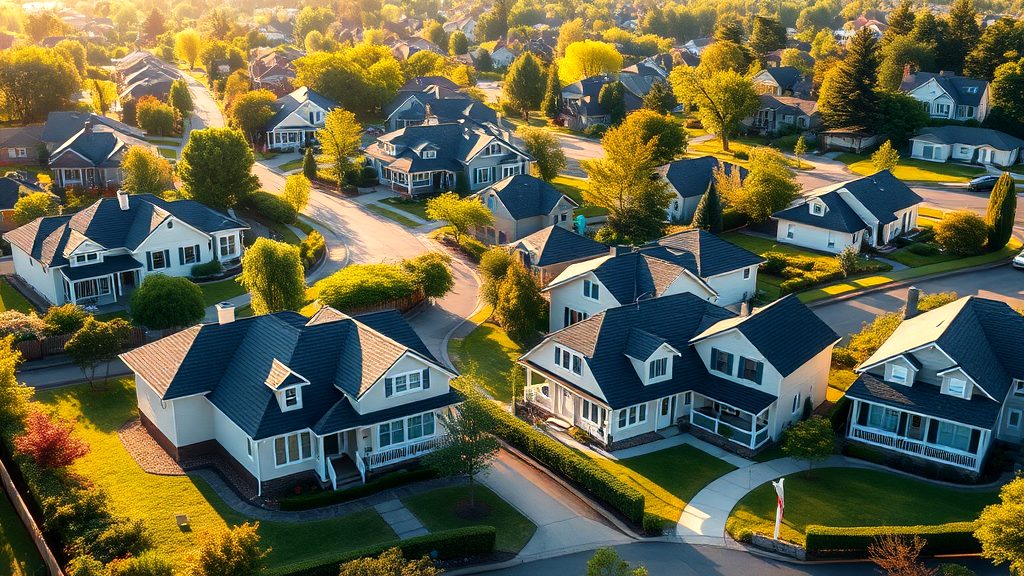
(403, 305)
(52, 566)
(50, 345)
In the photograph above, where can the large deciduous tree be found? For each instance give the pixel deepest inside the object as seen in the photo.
(722, 56)
(339, 141)
(848, 95)
(34, 82)
(216, 168)
(1002, 42)
(251, 111)
(97, 343)
(524, 84)
(1002, 210)
(769, 186)
(999, 528)
(723, 99)
(272, 273)
(460, 214)
(898, 53)
(669, 134)
(180, 98)
(588, 58)
(162, 302)
(155, 117)
(312, 18)
(545, 149)
(519, 302)
(187, 44)
(103, 94)
(32, 206)
(145, 172)
(1008, 89)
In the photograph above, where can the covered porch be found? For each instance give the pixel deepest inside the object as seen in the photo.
(414, 184)
(104, 283)
(739, 414)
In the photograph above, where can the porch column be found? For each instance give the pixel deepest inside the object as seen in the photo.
(115, 281)
(71, 290)
(323, 461)
(529, 381)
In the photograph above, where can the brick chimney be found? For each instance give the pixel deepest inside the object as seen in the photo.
(906, 71)
(913, 296)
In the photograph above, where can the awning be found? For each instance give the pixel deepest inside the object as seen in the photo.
(110, 265)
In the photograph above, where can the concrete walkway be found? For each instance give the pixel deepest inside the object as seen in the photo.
(401, 520)
(678, 439)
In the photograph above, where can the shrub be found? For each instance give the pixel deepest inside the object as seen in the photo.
(271, 207)
(20, 325)
(328, 497)
(955, 570)
(595, 130)
(64, 319)
(923, 249)
(774, 263)
(829, 541)
(962, 233)
(654, 525)
(843, 357)
(741, 155)
(227, 552)
(472, 248)
(167, 302)
(149, 564)
(207, 269)
(121, 538)
(432, 273)
(579, 435)
(361, 285)
(733, 219)
(49, 442)
(312, 248)
(86, 566)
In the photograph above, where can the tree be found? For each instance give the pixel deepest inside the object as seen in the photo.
(458, 44)
(622, 183)
(708, 214)
(103, 93)
(1008, 89)
(769, 186)
(963, 233)
(900, 115)
(32, 206)
(145, 172)
(811, 440)
(669, 134)
(1000, 43)
(433, 32)
(162, 302)
(798, 59)
(296, 191)
(339, 141)
(519, 302)
(309, 164)
(216, 168)
(552, 104)
(187, 44)
(660, 98)
(848, 261)
(886, 157)
(272, 273)
(312, 18)
(49, 442)
(767, 35)
(999, 529)
(236, 84)
(432, 272)
(606, 562)
(34, 82)
(588, 58)
(723, 99)
(460, 214)
(39, 25)
(1002, 210)
(898, 555)
(899, 53)
(251, 111)
(154, 116)
(494, 264)
(962, 34)
(97, 343)
(73, 51)
(484, 63)
(227, 552)
(545, 149)
(470, 448)
(848, 95)
(424, 63)
(155, 23)
(64, 319)
(900, 21)
(569, 33)
(612, 99)
(180, 98)
(728, 28)
(524, 84)
(800, 150)
(390, 561)
(723, 56)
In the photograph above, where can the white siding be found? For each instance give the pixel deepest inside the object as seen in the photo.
(570, 294)
(161, 414)
(47, 282)
(814, 238)
(735, 343)
(374, 399)
(233, 440)
(193, 420)
(811, 380)
(170, 239)
(732, 288)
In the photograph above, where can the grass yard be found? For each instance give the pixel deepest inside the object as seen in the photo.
(741, 144)
(41, 173)
(493, 353)
(667, 478)
(169, 153)
(157, 499)
(414, 207)
(854, 497)
(436, 509)
(573, 188)
(291, 165)
(910, 169)
(220, 291)
(11, 299)
(18, 554)
(392, 215)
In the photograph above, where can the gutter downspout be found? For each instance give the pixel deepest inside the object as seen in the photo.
(259, 475)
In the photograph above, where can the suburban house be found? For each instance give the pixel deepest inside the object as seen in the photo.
(92, 157)
(465, 24)
(688, 179)
(946, 95)
(782, 81)
(62, 126)
(851, 27)
(697, 45)
(581, 107)
(283, 399)
(410, 108)
(434, 157)
(780, 113)
(403, 49)
(22, 145)
(548, 251)
(856, 139)
(13, 185)
(297, 117)
(966, 144)
(692, 261)
(870, 211)
(99, 255)
(521, 205)
(945, 386)
(273, 69)
(639, 78)
(629, 371)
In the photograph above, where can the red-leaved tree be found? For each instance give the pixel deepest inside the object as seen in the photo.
(49, 442)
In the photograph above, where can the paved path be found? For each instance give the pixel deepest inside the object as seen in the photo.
(67, 373)
(731, 458)
(401, 520)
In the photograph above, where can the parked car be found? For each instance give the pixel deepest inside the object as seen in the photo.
(983, 183)
(1018, 261)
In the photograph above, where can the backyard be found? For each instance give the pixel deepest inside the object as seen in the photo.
(573, 188)
(437, 510)
(910, 169)
(18, 555)
(491, 352)
(11, 299)
(854, 497)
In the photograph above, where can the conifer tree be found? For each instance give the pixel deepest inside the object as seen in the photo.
(1002, 209)
(848, 95)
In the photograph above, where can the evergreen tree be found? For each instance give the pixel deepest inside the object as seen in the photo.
(708, 215)
(552, 104)
(309, 165)
(524, 84)
(612, 99)
(886, 157)
(728, 28)
(1002, 209)
(660, 99)
(1002, 42)
(963, 34)
(900, 21)
(928, 29)
(767, 35)
(519, 302)
(848, 95)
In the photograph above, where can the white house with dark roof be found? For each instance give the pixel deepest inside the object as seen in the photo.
(692, 261)
(869, 211)
(688, 179)
(778, 113)
(297, 117)
(549, 251)
(582, 109)
(945, 386)
(782, 81)
(966, 144)
(282, 398)
(946, 95)
(630, 371)
(99, 255)
(521, 205)
(412, 107)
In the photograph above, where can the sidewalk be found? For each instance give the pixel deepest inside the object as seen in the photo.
(62, 373)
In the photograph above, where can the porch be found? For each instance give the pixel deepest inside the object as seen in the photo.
(349, 457)
(101, 284)
(415, 184)
(745, 428)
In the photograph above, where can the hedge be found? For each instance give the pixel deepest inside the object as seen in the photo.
(448, 545)
(328, 497)
(559, 458)
(362, 285)
(271, 207)
(852, 542)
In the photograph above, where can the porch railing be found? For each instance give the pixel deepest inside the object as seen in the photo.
(332, 475)
(915, 447)
(404, 452)
(732, 433)
(361, 466)
(533, 395)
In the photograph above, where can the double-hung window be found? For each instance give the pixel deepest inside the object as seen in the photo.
(291, 397)
(898, 374)
(591, 290)
(657, 368)
(953, 435)
(159, 260)
(568, 360)
(751, 370)
(411, 428)
(421, 426)
(408, 382)
(228, 245)
(957, 386)
(482, 175)
(593, 413)
(1018, 387)
(632, 416)
(721, 361)
(882, 418)
(292, 448)
(391, 433)
(190, 254)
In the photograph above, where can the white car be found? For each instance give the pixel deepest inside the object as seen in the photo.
(1018, 261)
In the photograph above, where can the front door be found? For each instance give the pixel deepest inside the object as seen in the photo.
(127, 279)
(566, 406)
(666, 412)
(915, 427)
(332, 444)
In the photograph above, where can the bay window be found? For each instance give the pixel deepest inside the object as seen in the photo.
(292, 448)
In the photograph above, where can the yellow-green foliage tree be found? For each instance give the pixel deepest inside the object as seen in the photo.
(588, 58)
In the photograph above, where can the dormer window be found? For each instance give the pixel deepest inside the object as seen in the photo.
(657, 368)
(569, 360)
(291, 398)
(406, 383)
(817, 209)
(721, 361)
(90, 257)
(898, 374)
(1018, 388)
(429, 154)
(956, 386)
(972, 89)
(493, 149)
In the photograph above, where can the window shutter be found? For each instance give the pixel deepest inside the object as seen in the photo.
(728, 364)
(933, 431)
(181, 255)
(167, 258)
(862, 416)
(149, 261)
(426, 378)
(975, 439)
(198, 259)
(565, 316)
(388, 388)
(760, 372)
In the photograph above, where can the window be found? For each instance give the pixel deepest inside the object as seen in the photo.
(391, 433)
(751, 370)
(190, 254)
(721, 361)
(1013, 419)
(421, 426)
(957, 386)
(882, 418)
(899, 374)
(421, 178)
(482, 175)
(159, 260)
(790, 231)
(507, 171)
(593, 413)
(796, 403)
(953, 435)
(292, 448)
(493, 149)
(92, 288)
(90, 257)
(972, 89)
(227, 246)
(574, 316)
(591, 290)
(429, 154)
(1018, 387)
(407, 382)
(941, 110)
(632, 416)
(411, 428)
(746, 273)
(569, 361)
(18, 152)
(291, 397)
(816, 209)
(657, 368)
(248, 447)
(490, 202)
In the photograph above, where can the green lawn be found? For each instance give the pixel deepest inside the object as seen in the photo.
(854, 497)
(169, 153)
(220, 291)
(285, 233)
(414, 207)
(18, 555)
(768, 284)
(11, 299)
(914, 170)
(493, 353)
(668, 478)
(392, 215)
(436, 509)
(741, 144)
(157, 499)
(573, 188)
(291, 165)
(163, 140)
(41, 173)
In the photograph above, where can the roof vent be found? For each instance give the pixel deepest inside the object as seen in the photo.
(122, 200)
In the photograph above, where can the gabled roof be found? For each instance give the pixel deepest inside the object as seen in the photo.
(713, 255)
(969, 135)
(21, 136)
(419, 83)
(456, 144)
(10, 190)
(445, 104)
(526, 196)
(231, 363)
(787, 77)
(97, 146)
(554, 244)
(289, 103)
(966, 91)
(691, 177)
(61, 126)
(838, 215)
(926, 399)
(789, 105)
(881, 194)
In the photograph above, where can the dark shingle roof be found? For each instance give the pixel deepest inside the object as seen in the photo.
(455, 144)
(839, 216)
(926, 399)
(691, 177)
(969, 135)
(289, 103)
(60, 126)
(109, 265)
(526, 196)
(882, 194)
(10, 190)
(554, 244)
(966, 91)
(786, 77)
(713, 255)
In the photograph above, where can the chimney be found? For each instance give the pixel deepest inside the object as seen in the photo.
(619, 250)
(906, 71)
(225, 312)
(87, 127)
(744, 308)
(913, 295)
(122, 200)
